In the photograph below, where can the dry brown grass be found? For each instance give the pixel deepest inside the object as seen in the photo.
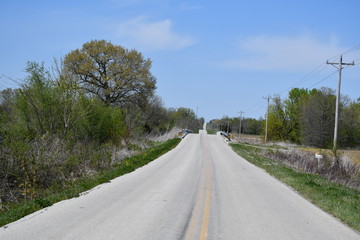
(347, 155)
(247, 138)
(353, 155)
(345, 171)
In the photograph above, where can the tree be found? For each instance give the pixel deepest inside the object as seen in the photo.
(155, 116)
(278, 120)
(6, 107)
(37, 102)
(112, 73)
(349, 126)
(317, 118)
(252, 126)
(297, 97)
(185, 118)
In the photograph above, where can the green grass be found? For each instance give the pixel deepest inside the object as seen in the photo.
(196, 131)
(73, 189)
(340, 201)
(211, 131)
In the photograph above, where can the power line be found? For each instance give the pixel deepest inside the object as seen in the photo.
(258, 105)
(319, 69)
(339, 67)
(312, 74)
(241, 113)
(255, 104)
(353, 49)
(323, 79)
(267, 117)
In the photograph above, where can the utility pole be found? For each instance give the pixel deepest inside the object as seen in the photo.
(338, 66)
(241, 113)
(267, 118)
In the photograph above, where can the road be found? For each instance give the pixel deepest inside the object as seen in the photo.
(199, 190)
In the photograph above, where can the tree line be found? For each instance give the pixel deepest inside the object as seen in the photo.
(250, 126)
(72, 120)
(305, 117)
(308, 116)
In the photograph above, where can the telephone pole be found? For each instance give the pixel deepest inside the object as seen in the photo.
(338, 66)
(241, 113)
(267, 117)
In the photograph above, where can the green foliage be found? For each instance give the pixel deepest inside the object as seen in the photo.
(350, 125)
(156, 117)
(308, 117)
(54, 129)
(278, 121)
(72, 189)
(112, 73)
(43, 203)
(293, 105)
(36, 102)
(102, 122)
(185, 118)
(248, 125)
(318, 118)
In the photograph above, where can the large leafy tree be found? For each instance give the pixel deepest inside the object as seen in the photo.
(349, 126)
(112, 73)
(297, 97)
(317, 118)
(278, 120)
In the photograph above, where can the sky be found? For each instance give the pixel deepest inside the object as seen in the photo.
(216, 57)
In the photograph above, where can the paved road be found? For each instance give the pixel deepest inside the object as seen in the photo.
(200, 190)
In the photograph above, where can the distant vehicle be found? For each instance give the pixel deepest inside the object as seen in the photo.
(225, 134)
(187, 131)
(184, 132)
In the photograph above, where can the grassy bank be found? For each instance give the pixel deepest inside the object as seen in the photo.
(73, 189)
(340, 201)
(211, 131)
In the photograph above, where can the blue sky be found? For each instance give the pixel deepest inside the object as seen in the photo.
(221, 57)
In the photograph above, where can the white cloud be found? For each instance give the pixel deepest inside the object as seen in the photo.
(153, 35)
(284, 53)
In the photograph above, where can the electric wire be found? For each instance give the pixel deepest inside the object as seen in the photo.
(254, 105)
(353, 49)
(324, 79)
(308, 77)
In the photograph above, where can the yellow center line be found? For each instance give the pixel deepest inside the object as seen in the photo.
(202, 206)
(194, 218)
(205, 219)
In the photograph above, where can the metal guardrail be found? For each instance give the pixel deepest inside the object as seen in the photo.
(226, 135)
(184, 132)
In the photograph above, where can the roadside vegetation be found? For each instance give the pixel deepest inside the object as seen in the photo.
(80, 118)
(334, 188)
(306, 117)
(73, 188)
(211, 131)
(249, 126)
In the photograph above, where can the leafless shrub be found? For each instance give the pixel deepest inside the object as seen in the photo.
(346, 172)
(168, 135)
(28, 167)
(119, 154)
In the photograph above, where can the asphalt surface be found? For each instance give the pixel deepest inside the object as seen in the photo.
(199, 190)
